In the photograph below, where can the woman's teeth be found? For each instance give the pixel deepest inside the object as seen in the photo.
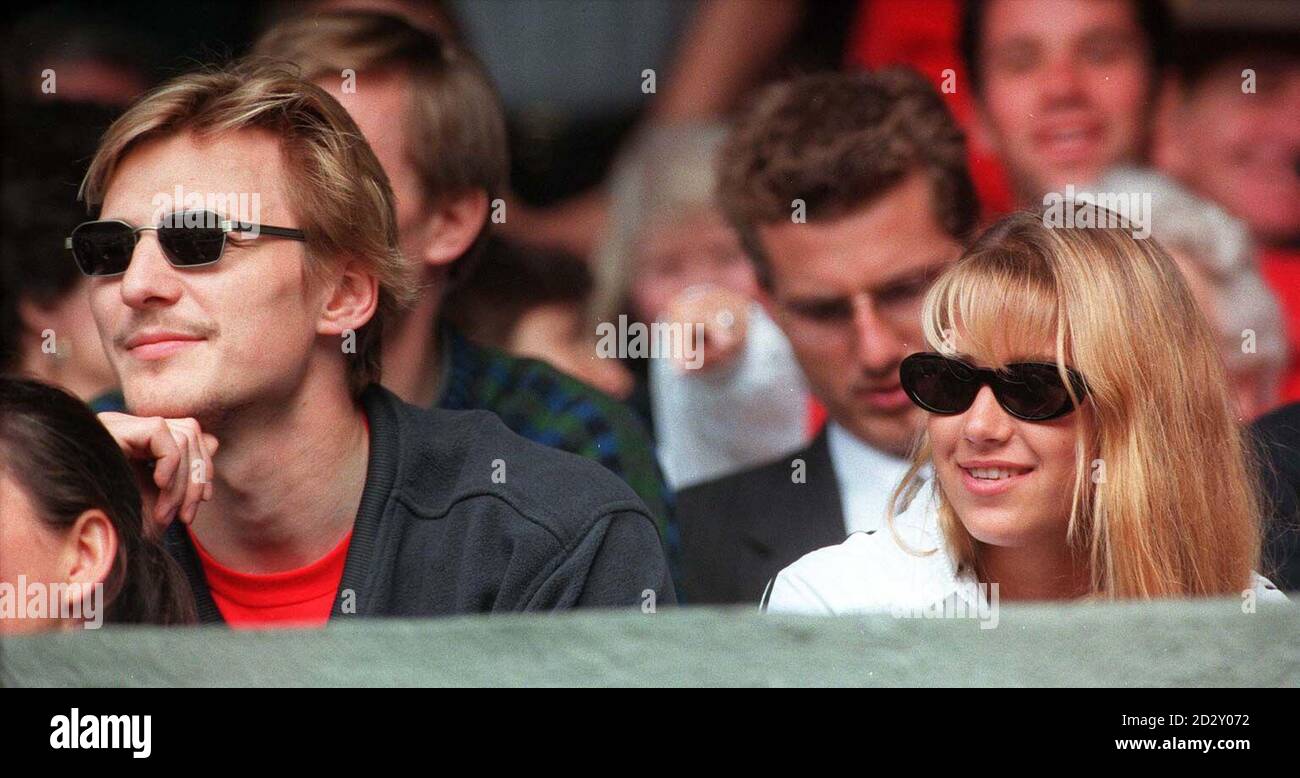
(993, 473)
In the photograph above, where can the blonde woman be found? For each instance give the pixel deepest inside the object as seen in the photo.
(1081, 434)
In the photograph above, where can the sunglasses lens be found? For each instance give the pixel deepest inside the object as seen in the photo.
(192, 238)
(1033, 392)
(937, 384)
(102, 248)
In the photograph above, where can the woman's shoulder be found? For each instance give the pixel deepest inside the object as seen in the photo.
(832, 579)
(870, 571)
(1265, 589)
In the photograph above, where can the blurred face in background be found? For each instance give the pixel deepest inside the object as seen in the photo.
(1248, 376)
(847, 292)
(1242, 149)
(73, 355)
(695, 249)
(379, 109)
(1066, 90)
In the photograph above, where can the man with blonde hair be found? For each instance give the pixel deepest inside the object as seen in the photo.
(245, 270)
(430, 112)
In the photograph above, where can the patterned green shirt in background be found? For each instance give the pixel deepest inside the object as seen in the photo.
(542, 404)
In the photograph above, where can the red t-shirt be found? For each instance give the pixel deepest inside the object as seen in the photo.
(923, 34)
(302, 597)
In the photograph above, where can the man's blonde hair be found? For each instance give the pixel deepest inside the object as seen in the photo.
(337, 190)
(1178, 511)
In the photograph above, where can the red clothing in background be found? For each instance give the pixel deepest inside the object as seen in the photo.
(923, 34)
(1281, 271)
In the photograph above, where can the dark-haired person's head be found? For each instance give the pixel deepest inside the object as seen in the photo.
(1065, 89)
(72, 542)
(850, 193)
(46, 329)
(1231, 131)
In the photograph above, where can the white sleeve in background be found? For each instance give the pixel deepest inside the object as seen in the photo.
(709, 423)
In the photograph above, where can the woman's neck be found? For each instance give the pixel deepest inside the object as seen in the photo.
(1039, 572)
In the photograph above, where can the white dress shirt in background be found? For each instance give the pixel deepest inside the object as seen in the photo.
(867, 477)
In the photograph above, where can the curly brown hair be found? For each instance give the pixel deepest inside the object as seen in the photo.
(833, 143)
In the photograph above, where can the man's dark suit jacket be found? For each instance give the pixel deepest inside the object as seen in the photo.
(1279, 435)
(739, 531)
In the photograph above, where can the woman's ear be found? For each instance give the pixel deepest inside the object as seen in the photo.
(89, 552)
(353, 299)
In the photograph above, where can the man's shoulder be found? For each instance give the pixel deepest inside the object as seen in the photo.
(447, 459)
(752, 484)
(549, 406)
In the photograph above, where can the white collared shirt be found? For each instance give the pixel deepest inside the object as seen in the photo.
(866, 477)
(870, 572)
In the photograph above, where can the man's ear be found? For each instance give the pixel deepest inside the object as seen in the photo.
(982, 135)
(89, 549)
(452, 228)
(1168, 153)
(352, 302)
(763, 295)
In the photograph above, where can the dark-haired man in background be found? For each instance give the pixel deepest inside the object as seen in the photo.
(850, 193)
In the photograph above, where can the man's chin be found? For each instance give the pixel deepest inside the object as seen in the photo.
(154, 399)
(894, 434)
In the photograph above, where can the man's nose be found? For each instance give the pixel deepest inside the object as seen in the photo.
(150, 280)
(878, 346)
(1060, 80)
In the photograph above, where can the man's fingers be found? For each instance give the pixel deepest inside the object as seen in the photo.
(173, 489)
(209, 447)
(181, 454)
(193, 475)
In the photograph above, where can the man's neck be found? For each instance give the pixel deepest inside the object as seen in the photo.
(288, 480)
(412, 353)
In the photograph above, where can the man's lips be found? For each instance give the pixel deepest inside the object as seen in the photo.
(158, 344)
(886, 398)
(1073, 142)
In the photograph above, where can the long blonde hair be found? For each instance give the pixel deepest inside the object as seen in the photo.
(1165, 502)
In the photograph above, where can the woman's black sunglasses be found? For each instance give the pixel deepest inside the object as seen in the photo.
(188, 239)
(1032, 391)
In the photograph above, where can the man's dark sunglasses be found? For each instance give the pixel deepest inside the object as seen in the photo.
(1032, 391)
(188, 239)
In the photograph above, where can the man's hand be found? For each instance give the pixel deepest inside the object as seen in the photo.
(181, 455)
(725, 316)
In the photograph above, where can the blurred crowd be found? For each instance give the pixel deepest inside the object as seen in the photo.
(564, 170)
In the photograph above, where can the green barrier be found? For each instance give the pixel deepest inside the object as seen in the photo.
(1204, 643)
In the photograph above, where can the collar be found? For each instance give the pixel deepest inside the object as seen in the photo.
(918, 527)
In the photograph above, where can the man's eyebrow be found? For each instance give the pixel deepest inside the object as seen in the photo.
(815, 300)
(1106, 32)
(926, 272)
